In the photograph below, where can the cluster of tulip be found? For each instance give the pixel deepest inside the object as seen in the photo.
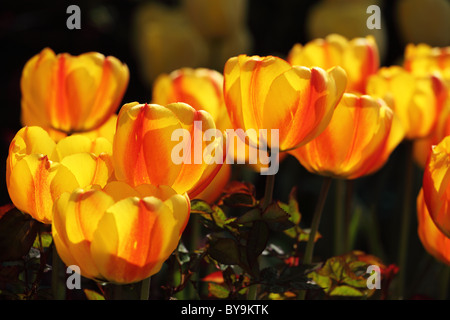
(117, 202)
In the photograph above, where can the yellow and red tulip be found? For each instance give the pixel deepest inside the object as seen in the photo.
(269, 93)
(71, 93)
(436, 188)
(416, 100)
(357, 142)
(119, 234)
(433, 240)
(39, 170)
(358, 57)
(143, 147)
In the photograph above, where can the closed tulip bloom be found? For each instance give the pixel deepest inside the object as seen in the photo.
(269, 93)
(416, 100)
(119, 234)
(145, 150)
(71, 93)
(39, 170)
(356, 142)
(201, 88)
(434, 241)
(436, 189)
(358, 57)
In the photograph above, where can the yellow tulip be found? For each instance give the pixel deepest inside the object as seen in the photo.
(145, 149)
(71, 93)
(39, 170)
(434, 241)
(269, 93)
(358, 57)
(357, 142)
(119, 234)
(416, 100)
(436, 188)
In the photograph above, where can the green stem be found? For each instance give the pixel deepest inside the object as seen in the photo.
(58, 286)
(445, 283)
(307, 259)
(339, 218)
(145, 288)
(406, 219)
(252, 292)
(348, 243)
(268, 192)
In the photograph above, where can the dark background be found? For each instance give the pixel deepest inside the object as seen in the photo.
(26, 27)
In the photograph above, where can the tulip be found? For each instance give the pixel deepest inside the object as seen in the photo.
(201, 88)
(119, 234)
(348, 18)
(422, 147)
(71, 93)
(357, 142)
(416, 100)
(358, 57)
(147, 147)
(423, 59)
(39, 170)
(436, 190)
(268, 93)
(433, 240)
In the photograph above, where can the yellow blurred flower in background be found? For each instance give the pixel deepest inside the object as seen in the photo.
(416, 100)
(358, 57)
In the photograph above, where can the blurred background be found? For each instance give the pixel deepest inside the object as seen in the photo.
(152, 37)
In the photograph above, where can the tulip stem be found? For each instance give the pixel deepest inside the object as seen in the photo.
(145, 288)
(339, 218)
(307, 258)
(406, 217)
(58, 288)
(445, 283)
(268, 193)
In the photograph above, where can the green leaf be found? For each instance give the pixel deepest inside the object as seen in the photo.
(238, 194)
(256, 241)
(93, 295)
(343, 276)
(46, 239)
(277, 218)
(225, 251)
(218, 291)
(17, 234)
